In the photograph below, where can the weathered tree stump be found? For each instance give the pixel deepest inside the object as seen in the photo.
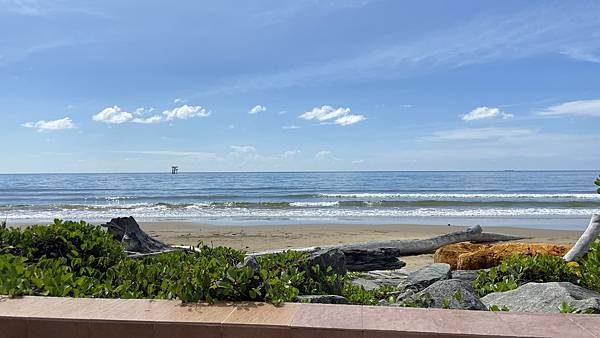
(127, 230)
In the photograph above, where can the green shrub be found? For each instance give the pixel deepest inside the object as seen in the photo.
(589, 267)
(515, 271)
(81, 260)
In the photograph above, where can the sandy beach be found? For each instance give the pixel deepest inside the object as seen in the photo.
(255, 238)
(264, 237)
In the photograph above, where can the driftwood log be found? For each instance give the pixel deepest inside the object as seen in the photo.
(137, 242)
(383, 255)
(582, 245)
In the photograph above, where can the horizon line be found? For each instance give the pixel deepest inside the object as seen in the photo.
(282, 171)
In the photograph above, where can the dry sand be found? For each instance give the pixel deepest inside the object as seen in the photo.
(264, 237)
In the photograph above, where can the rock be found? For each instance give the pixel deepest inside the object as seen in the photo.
(467, 256)
(426, 276)
(465, 275)
(383, 302)
(372, 259)
(385, 277)
(545, 297)
(452, 294)
(323, 299)
(444, 294)
(367, 284)
(325, 258)
(404, 296)
(250, 262)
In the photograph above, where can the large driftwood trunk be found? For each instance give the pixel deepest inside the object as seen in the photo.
(587, 238)
(137, 242)
(383, 255)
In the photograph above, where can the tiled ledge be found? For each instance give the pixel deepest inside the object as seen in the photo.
(33, 317)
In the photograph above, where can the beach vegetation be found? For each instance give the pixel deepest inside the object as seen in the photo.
(77, 259)
(517, 270)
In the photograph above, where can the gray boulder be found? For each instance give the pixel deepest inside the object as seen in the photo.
(425, 276)
(367, 284)
(375, 279)
(250, 262)
(448, 294)
(325, 258)
(386, 277)
(323, 299)
(545, 297)
(465, 275)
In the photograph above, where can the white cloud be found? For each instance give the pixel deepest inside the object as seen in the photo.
(479, 134)
(140, 111)
(358, 161)
(580, 54)
(291, 127)
(113, 115)
(185, 112)
(323, 154)
(574, 108)
(243, 149)
(290, 153)
(178, 100)
(148, 120)
(60, 124)
(257, 109)
(326, 113)
(349, 119)
(484, 113)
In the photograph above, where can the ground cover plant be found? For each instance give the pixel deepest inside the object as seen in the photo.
(82, 260)
(517, 270)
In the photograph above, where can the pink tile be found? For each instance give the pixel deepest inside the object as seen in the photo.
(121, 329)
(469, 322)
(75, 308)
(543, 325)
(408, 320)
(329, 316)
(187, 330)
(198, 313)
(589, 322)
(13, 327)
(55, 328)
(26, 306)
(262, 314)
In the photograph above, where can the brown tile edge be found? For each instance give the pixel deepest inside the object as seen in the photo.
(327, 319)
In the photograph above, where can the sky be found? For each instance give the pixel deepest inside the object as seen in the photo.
(123, 86)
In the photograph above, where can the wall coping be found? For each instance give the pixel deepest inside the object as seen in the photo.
(31, 317)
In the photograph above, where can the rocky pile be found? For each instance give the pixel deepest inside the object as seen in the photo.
(468, 256)
(546, 297)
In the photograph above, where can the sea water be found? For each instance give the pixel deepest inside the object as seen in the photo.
(546, 199)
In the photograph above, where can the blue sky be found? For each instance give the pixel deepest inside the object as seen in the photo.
(102, 86)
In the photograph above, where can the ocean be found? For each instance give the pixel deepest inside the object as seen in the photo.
(542, 199)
